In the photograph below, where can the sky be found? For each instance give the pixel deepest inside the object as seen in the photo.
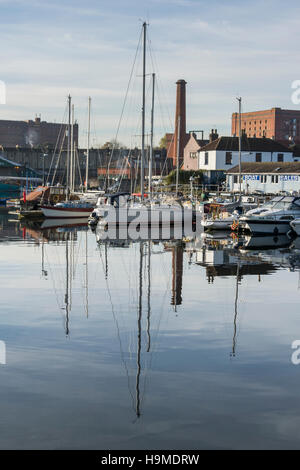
(223, 49)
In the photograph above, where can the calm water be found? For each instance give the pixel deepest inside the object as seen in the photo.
(166, 345)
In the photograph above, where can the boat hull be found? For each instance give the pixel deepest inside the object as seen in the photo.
(274, 227)
(295, 225)
(66, 212)
(146, 215)
(218, 224)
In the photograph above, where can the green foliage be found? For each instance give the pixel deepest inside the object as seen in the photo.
(184, 177)
(163, 142)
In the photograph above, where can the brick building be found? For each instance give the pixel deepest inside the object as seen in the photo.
(278, 124)
(190, 160)
(34, 134)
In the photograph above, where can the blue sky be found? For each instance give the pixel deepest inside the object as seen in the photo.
(221, 48)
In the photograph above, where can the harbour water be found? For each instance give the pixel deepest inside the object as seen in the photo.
(147, 345)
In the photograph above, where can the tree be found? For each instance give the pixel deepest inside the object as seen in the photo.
(113, 143)
(163, 142)
(184, 176)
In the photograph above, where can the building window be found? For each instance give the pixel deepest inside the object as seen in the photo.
(193, 154)
(276, 179)
(273, 179)
(206, 158)
(258, 157)
(280, 157)
(228, 158)
(235, 179)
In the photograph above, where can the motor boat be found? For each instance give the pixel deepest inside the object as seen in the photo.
(274, 217)
(223, 222)
(295, 225)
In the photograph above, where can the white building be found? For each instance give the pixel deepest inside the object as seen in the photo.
(268, 177)
(221, 154)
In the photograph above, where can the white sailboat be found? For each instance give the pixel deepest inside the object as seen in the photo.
(151, 210)
(70, 209)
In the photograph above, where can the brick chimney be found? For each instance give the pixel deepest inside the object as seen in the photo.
(180, 113)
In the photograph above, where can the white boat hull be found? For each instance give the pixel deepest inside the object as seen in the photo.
(225, 224)
(66, 212)
(147, 215)
(274, 227)
(295, 225)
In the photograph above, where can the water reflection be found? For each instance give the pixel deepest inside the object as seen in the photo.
(117, 298)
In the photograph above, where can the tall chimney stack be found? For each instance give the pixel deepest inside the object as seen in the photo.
(180, 117)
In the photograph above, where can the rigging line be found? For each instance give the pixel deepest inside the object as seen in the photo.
(154, 349)
(78, 167)
(117, 326)
(58, 158)
(125, 99)
(53, 281)
(123, 167)
(56, 144)
(160, 84)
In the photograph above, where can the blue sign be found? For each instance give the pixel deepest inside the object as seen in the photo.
(251, 177)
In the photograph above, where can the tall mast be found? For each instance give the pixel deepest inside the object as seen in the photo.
(149, 296)
(235, 310)
(139, 342)
(177, 156)
(151, 138)
(143, 112)
(88, 147)
(240, 147)
(72, 160)
(68, 149)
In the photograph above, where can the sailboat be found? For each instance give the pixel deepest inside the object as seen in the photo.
(68, 208)
(227, 220)
(148, 210)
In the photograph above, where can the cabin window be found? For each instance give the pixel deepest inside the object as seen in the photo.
(206, 158)
(258, 157)
(228, 158)
(280, 157)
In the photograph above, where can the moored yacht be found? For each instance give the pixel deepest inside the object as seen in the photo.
(122, 209)
(273, 217)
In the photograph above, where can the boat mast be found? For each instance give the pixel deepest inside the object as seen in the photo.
(240, 147)
(232, 354)
(72, 163)
(151, 137)
(149, 296)
(139, 342)
(143, 112)
(177, 156)
(68, 149)
(88, 147)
